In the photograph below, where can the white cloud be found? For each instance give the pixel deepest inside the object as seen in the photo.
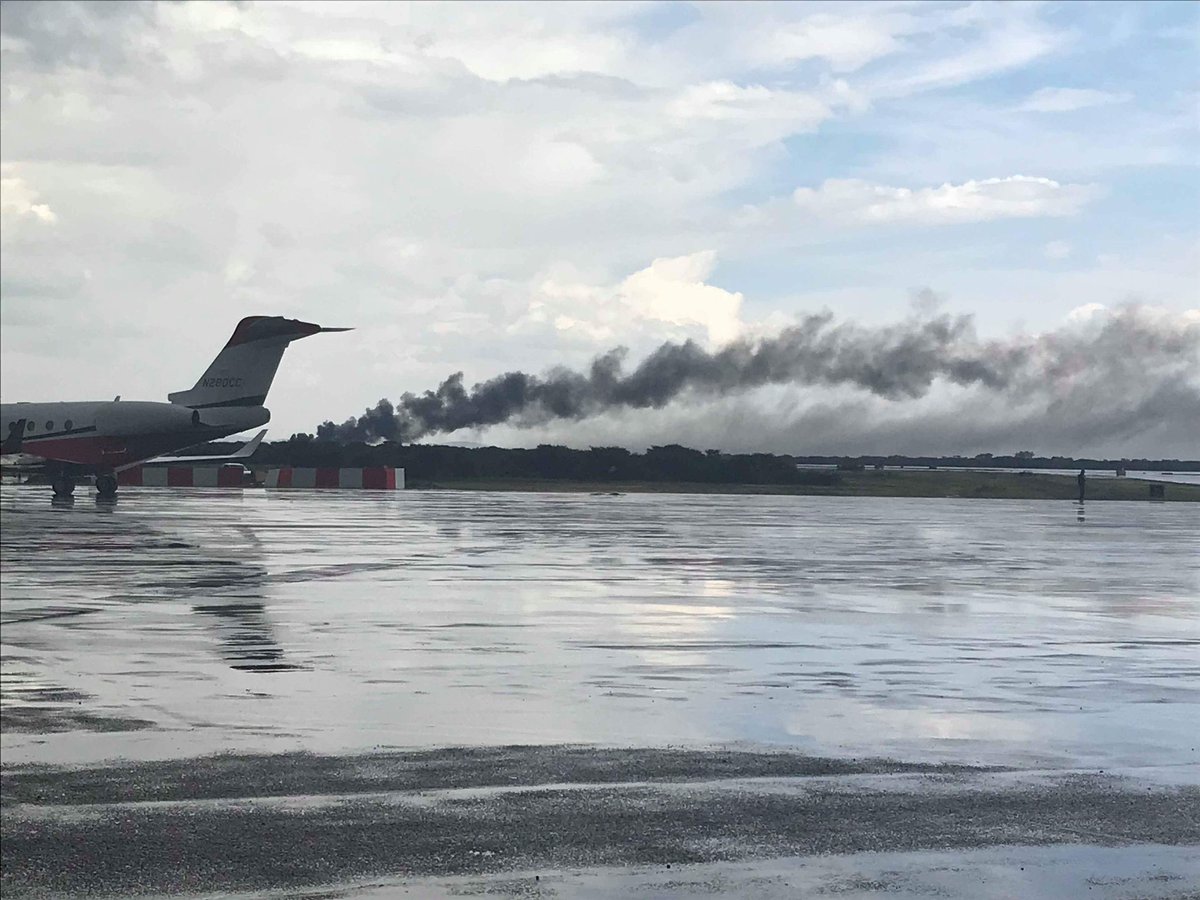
(1087, 312)
(1052, 99)
(728, 102)
(977, 41)
(504, 41)
(846, 42)
(668, 299)
(674, 291)
(894, 49)
(856, 202)
(18, 200)
(1057, 250)
(558, 164)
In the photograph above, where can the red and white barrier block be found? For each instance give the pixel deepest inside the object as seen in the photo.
(380, 478)
(182, 476)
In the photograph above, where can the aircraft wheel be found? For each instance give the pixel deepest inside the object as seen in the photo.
(106, 485)
(64, 486)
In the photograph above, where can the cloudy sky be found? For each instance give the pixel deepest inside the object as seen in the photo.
(481, 187)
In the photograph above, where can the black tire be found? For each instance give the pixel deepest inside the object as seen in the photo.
(64, 486)
(106, 485)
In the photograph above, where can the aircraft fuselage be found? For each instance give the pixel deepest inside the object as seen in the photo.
(112, 435)
(103, 437)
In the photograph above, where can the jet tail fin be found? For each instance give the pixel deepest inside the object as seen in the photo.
(242, 373)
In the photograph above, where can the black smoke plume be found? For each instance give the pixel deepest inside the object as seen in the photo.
(1092, 360)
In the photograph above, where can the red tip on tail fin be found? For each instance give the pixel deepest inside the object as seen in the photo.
(242, 373)
(258, 328)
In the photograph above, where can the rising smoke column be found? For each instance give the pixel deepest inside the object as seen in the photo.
(1086, 361)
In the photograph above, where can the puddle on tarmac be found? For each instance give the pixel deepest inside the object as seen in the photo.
(999, 632)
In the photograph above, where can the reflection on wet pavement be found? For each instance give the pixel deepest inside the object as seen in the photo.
(35, 706)
(246, 639)
(979, 631)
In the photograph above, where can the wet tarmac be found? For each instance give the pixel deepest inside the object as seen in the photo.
(753, 666)
(297, 821)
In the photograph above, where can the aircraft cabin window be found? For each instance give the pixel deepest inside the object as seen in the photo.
(30, 426)
(67, 424)
(50, 425)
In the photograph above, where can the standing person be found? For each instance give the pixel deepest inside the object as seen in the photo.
(1082, 480)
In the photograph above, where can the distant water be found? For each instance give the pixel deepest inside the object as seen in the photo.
(978, 631)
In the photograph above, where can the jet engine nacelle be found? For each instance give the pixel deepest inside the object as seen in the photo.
(136, 417)
(232, 419)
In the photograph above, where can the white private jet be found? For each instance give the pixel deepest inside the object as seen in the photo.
(101, 438)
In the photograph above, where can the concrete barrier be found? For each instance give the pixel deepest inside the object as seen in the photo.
(182, 476)
(381, 478)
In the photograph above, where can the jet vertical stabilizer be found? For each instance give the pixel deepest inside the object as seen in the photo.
(242, 373)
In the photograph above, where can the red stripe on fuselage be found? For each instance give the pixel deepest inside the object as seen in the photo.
(103, 451)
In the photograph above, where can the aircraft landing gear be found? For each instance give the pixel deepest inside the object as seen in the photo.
(106, 485)
(64, 485)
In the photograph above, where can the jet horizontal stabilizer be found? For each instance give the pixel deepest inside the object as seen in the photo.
(240, 455)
